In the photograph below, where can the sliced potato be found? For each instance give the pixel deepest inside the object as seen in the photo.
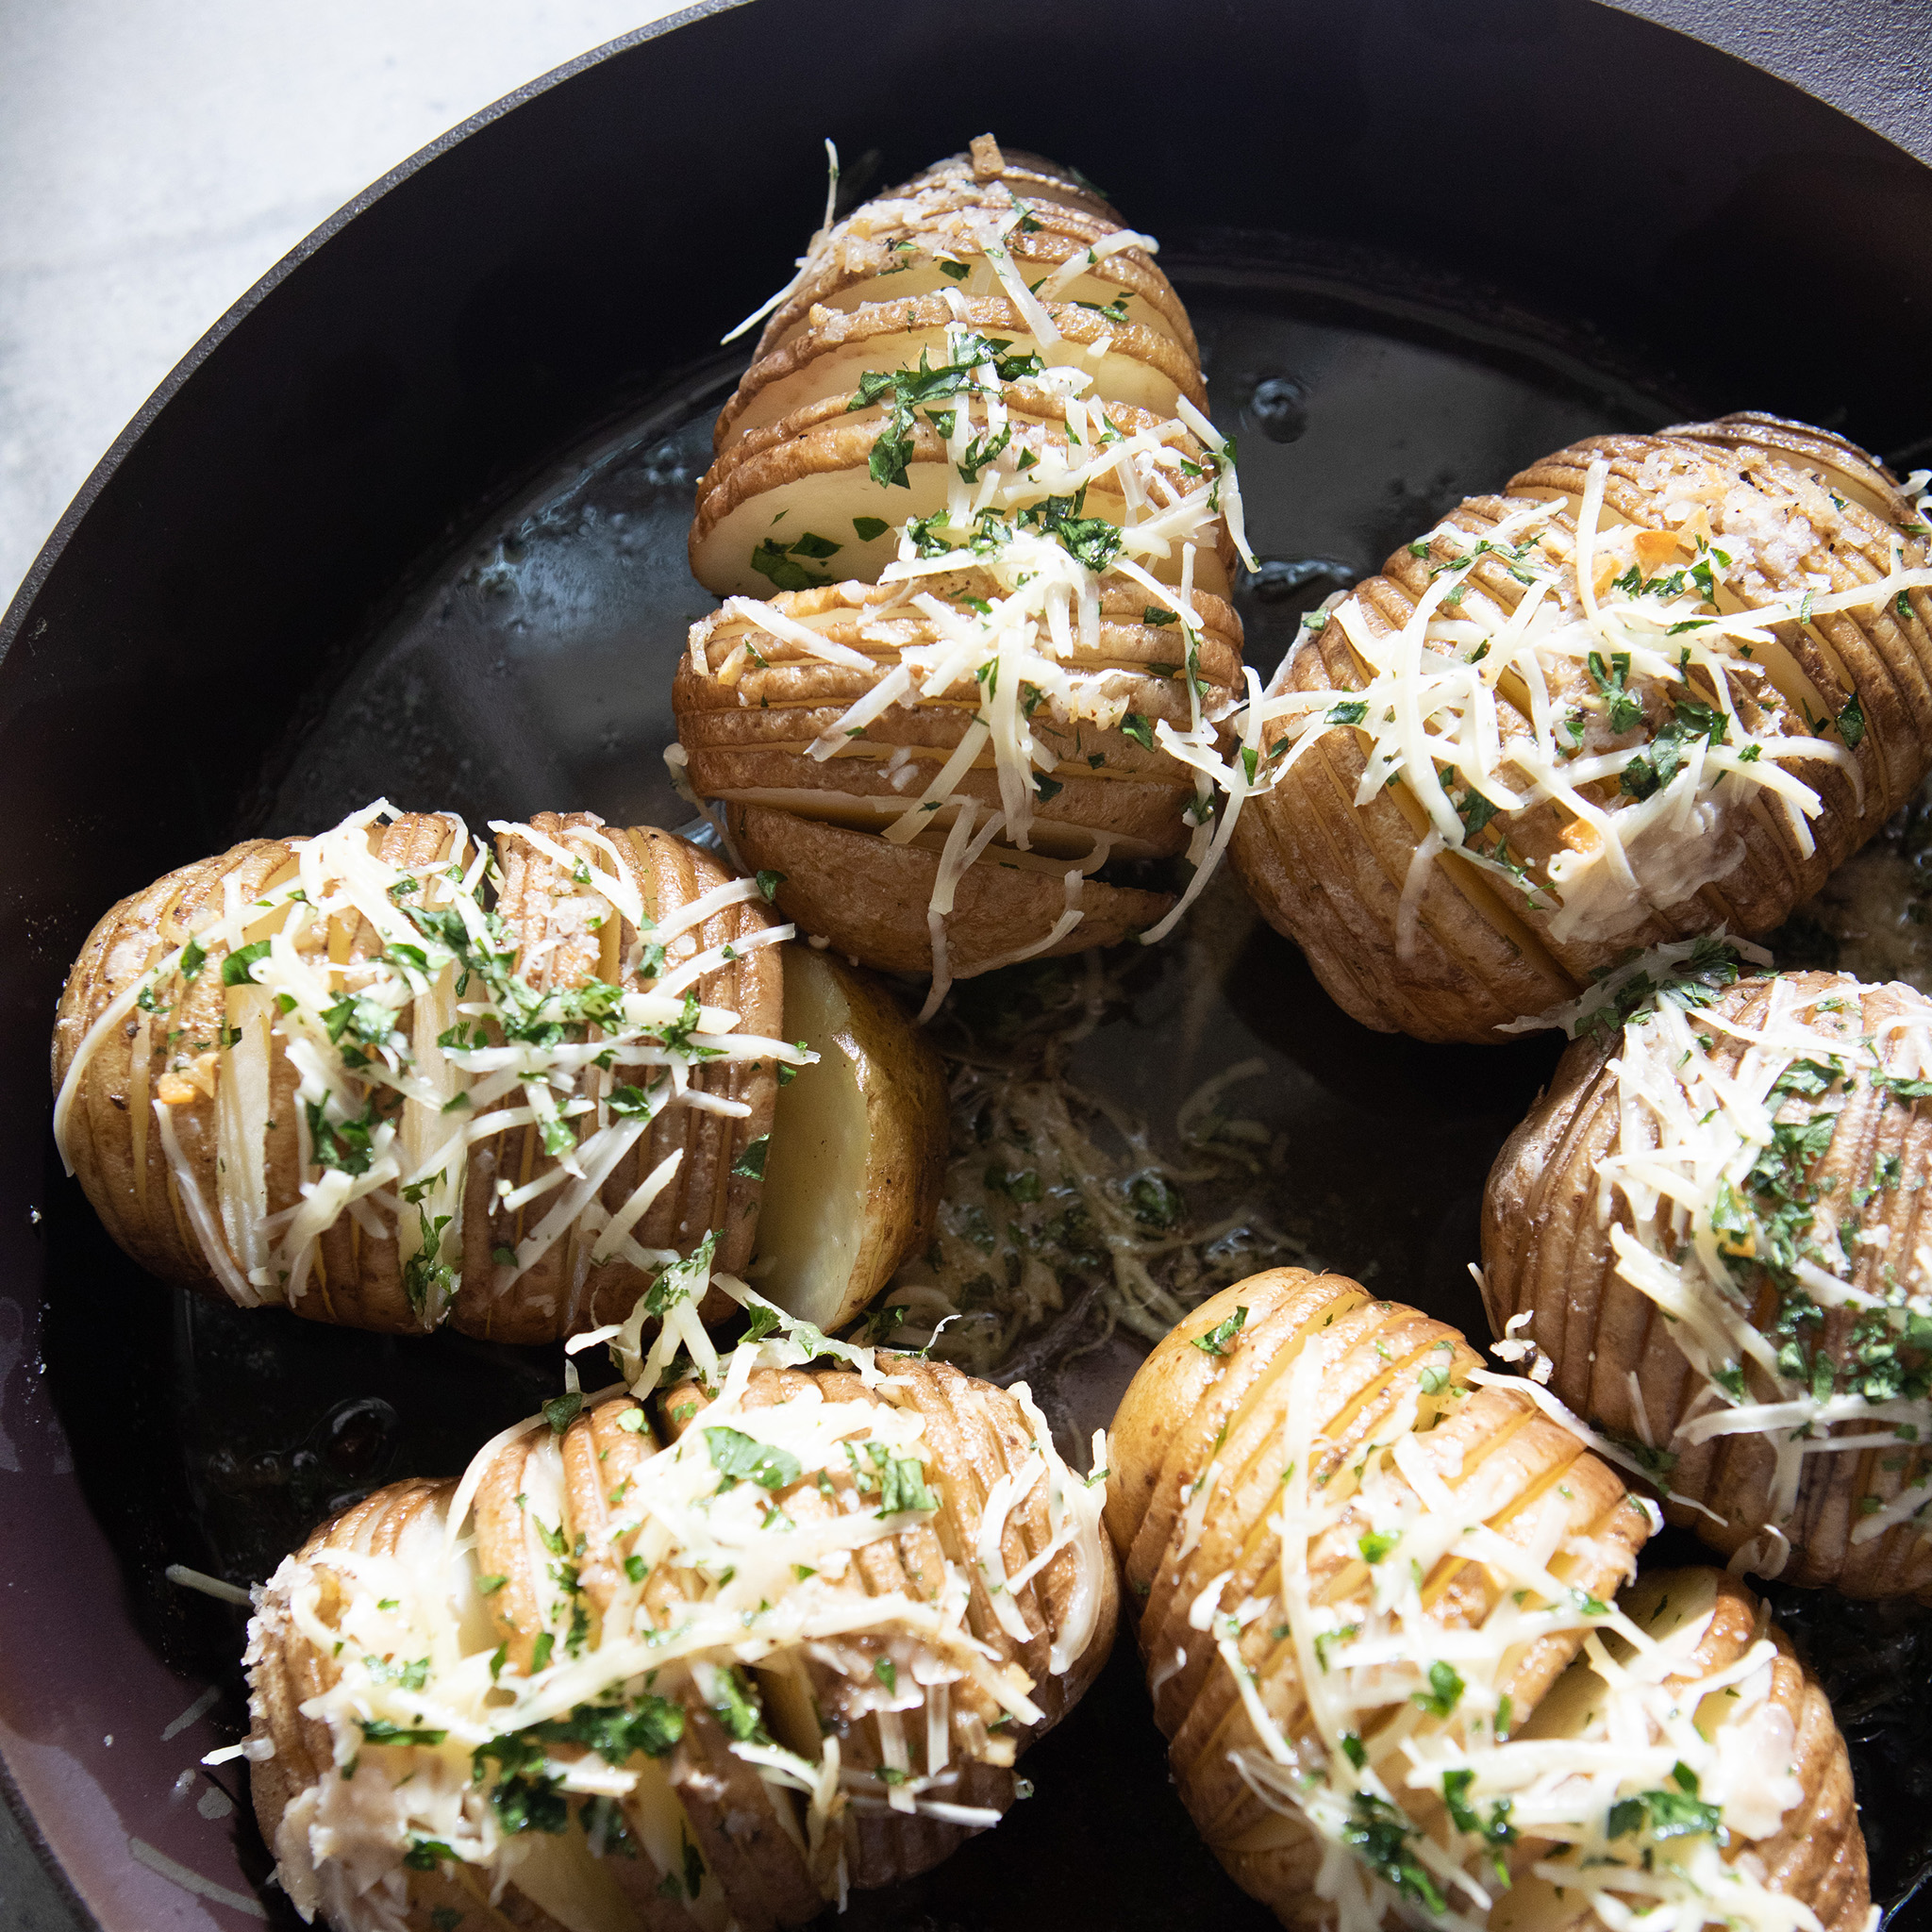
(1814, 1851)
(1635, 1330)
(809, 472)
(829, 710)
(902, 1665)
(545, 1250)
(858, 1146)
(1686, 529)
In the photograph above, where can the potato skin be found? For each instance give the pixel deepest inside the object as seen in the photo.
(1547, 1255)
(869, 898)
(1330, 874)
(746, 722)
(118, 1157)
(975, 1433)
(1187, 1407)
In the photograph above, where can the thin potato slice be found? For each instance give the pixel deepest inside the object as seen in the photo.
(859, 1147)
(1143, 368)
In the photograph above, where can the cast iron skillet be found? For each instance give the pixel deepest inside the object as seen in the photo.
(1652, 225)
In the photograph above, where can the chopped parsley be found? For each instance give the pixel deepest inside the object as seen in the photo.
(1668, 1814)
(1215, 1342)
(780, 561)
(739, 1457)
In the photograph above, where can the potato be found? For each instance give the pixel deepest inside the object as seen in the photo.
(607, 1784)
(195, 1099)
(1702, 1328)
(1774, 1736)
(1029, 649)
(1369, 1576)
(859, 1144)
(1736, 696)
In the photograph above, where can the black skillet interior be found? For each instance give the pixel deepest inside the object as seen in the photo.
(416, 527)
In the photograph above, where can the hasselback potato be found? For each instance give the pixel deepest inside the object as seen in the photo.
(610, 1683)
(969, 470)
(1710, 1228)
(392, 1076)
(1368, 1575)
(1661, 686)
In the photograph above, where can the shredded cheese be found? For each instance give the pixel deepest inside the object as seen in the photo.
(1054, 1198)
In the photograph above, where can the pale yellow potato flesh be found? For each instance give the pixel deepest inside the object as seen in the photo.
(560, 1876)
(858, 1146)
(828, 504)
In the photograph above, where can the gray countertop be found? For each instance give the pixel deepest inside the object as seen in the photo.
(155, 161)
